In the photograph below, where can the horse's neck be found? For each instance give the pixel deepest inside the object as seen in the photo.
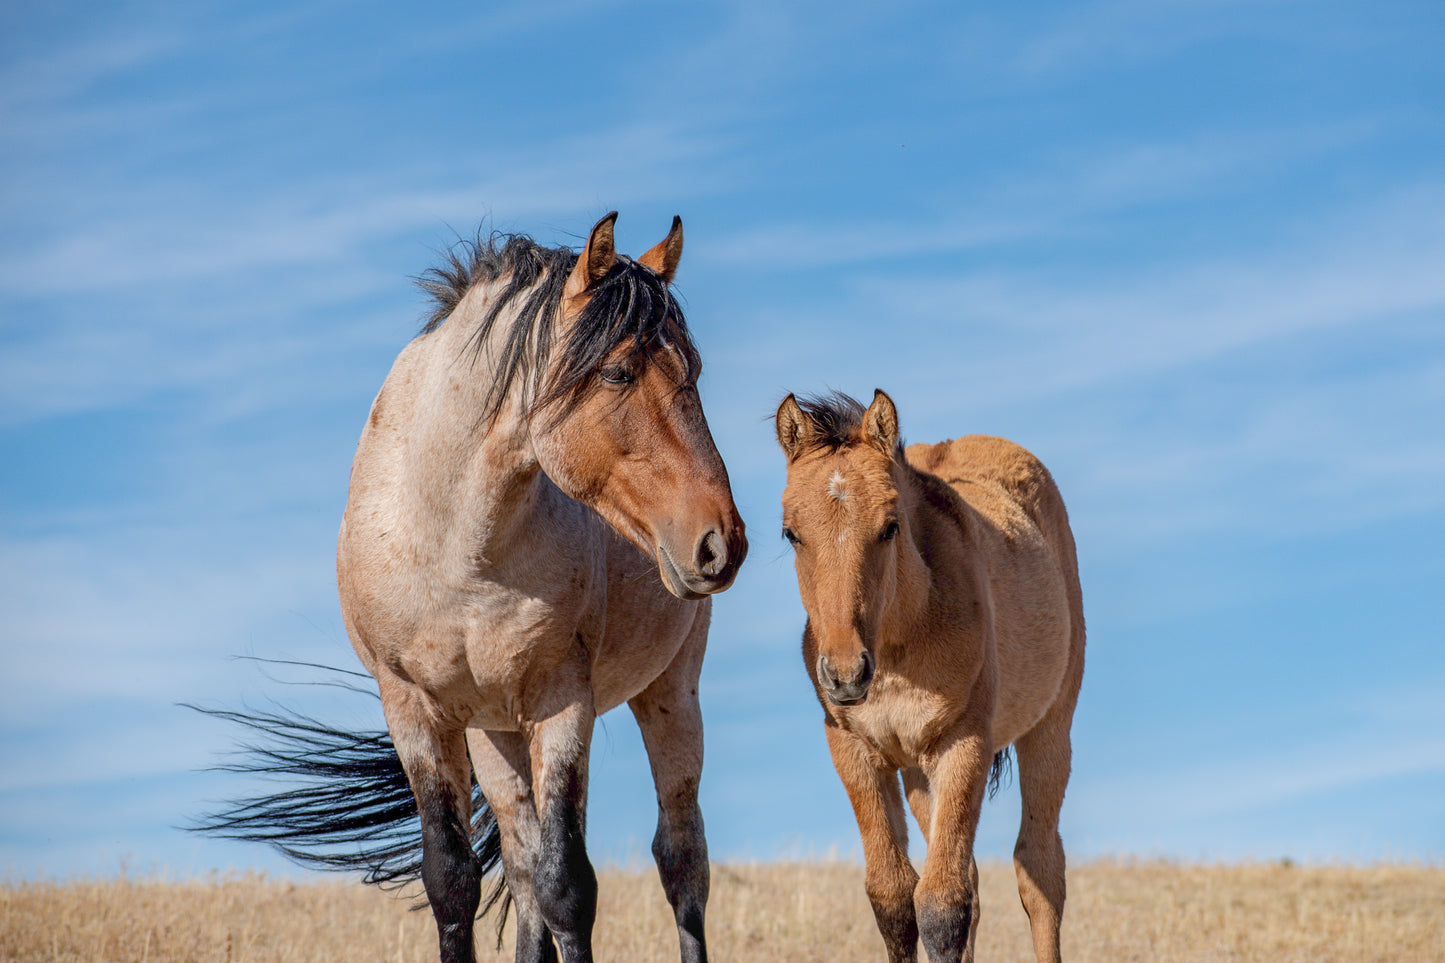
(466, 478)
(915, 599)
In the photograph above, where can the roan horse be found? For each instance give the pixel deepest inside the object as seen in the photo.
(536, 518)
(945, 623)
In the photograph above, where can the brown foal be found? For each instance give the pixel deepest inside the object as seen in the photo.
(945, 623)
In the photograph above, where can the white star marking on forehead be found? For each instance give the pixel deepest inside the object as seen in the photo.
(837, 488)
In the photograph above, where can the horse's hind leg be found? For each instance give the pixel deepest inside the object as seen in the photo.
(435, 759)
(668, 714)
(920, 800)
(504, 771)
(1043, 759)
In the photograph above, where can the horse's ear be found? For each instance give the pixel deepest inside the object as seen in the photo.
(663, 257)
(596, 259)
(794, 427)
(880, 423)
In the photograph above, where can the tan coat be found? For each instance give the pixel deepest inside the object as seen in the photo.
(945, 623)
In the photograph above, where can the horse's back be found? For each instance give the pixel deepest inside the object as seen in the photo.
(999, 478)
(1037, 601)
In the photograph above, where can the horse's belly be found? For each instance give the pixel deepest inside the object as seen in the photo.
(1033, 655)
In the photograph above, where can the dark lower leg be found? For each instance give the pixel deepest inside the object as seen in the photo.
(504, 770)
(944, 926)
(947, 892)
(897, 923)
(564, 881)
(450, 873)
(534, 941)
(681, 853)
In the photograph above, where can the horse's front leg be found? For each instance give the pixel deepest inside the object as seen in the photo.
(504, 771)
(890, 879)
(946, 900)
(433, 751)
(558, 724)
(670, 718)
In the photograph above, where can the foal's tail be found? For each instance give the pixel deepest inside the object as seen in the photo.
(1000, 770)
(347, 804)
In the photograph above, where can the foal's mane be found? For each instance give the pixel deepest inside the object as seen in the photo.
(837, 421)
(631, 305)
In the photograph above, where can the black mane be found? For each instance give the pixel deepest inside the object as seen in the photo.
(631, 305)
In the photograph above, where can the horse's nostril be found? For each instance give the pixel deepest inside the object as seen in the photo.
(865, 673)
(712, 554)
(825, 673)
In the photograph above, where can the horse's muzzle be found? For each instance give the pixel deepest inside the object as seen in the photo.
(846, 692)
(712, 568)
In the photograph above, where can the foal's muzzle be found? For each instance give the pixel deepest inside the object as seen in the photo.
(846, 692)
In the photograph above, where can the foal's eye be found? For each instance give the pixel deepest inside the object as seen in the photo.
(617, 375)
(792, 537)
(889, 532)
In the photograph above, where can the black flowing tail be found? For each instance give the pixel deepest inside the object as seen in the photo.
(348, 805)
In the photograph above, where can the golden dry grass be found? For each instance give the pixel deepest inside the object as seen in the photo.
(1145, 911)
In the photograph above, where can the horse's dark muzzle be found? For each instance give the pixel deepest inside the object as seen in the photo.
(849, 692)
(715, 564)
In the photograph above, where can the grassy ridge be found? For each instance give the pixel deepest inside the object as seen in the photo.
(1146, 911)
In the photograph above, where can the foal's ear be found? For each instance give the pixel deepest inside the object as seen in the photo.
(663, 257)
(596, 259)
(880, 423)
(794, 427)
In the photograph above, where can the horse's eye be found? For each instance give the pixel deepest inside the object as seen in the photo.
(889, 532)
(792, 537)
(617, 375)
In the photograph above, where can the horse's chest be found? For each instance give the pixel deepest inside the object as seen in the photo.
(900, 725)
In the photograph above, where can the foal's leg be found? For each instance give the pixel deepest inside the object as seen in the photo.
(559, 736)
(947, 894)
(504, 771)
(920, 800)
(890, 879)
(668, 714)
(1044, 758)
(915, 787)
(977, 910)
(433, 751)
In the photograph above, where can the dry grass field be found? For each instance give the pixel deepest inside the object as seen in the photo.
(1145, 911)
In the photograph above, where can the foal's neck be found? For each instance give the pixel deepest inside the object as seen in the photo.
(913, 596)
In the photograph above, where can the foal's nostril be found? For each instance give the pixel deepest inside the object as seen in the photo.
(712, 554)
(825, 673)
(865, 672)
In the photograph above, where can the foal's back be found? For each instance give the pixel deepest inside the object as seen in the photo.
(1018, 531)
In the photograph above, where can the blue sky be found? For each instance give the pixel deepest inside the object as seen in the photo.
(1192, 254)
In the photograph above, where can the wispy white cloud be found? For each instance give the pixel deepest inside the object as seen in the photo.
(1298, 451)
(59, 74)
(1072, 197)
(143, 616)
(171, 300)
